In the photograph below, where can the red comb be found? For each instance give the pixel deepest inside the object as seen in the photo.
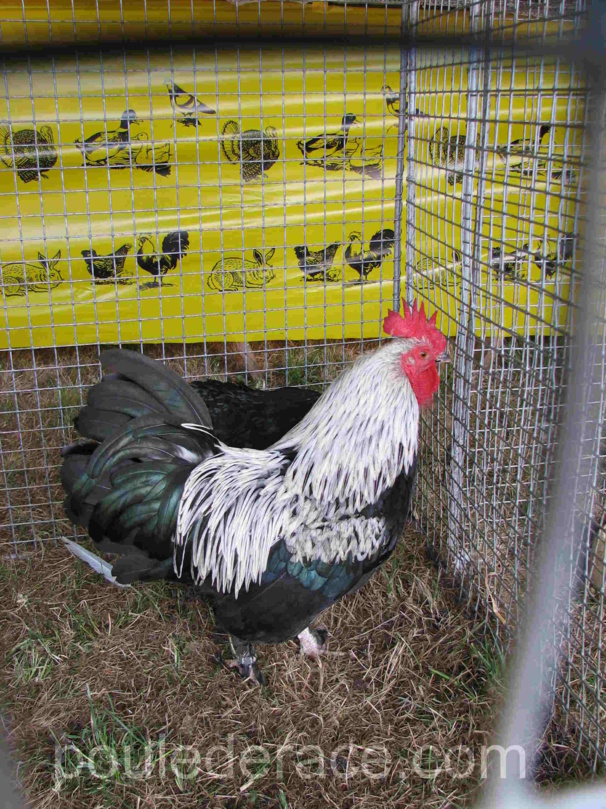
(414, 323)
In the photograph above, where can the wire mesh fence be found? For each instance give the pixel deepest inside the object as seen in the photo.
(508, 159)
(249, 213)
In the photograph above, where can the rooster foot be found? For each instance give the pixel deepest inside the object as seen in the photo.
(245, 661)
(313, 642)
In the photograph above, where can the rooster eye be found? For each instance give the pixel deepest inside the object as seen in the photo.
(423, 354)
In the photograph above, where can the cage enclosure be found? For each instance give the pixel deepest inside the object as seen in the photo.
(241, 191)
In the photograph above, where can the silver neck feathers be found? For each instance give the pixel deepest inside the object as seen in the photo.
(348, 450)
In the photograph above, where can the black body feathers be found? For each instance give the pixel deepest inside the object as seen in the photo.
(244, 417)
(125, 483)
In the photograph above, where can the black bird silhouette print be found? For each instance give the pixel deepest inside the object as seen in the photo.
(519, 155)
(448, 151)
(254, 150)
(365, 261)
(108, 269)
(392, 102)
(233, 273)
(30, 152)
(186, 106)
(174, 247)
(20, 278)
(121, 148)
(339, 151)
(511, 265)
(317, 264)
(328, 151)
(558, 252)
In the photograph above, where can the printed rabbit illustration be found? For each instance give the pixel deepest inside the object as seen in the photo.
(232, 273)
(18, 277)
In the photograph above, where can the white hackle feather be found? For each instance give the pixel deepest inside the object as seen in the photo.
(98, 564)
(348, 450)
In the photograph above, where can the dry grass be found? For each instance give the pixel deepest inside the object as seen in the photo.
(92, 666)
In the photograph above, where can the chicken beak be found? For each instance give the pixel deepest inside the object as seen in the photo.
(444, 357)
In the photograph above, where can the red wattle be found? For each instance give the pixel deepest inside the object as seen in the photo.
(424, 383)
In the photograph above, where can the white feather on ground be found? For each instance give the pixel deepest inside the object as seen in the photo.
(98, 564)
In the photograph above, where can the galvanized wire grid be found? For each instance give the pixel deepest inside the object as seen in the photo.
(490, 439)
(43, 388)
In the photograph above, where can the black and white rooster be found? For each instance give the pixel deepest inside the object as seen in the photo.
(272, 536)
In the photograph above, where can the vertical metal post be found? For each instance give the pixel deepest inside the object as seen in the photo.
(531, 679)
(411, 189)
(410, 16)
(465, 337)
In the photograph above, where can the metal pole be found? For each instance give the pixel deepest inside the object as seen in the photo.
(410, 16)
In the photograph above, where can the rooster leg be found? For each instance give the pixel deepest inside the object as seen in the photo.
(245, 660)
(313, 642)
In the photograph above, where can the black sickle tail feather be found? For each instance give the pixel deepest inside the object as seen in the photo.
(126, 491)
(174, 246)
(124, 486)
(137, 387)
(381, 243)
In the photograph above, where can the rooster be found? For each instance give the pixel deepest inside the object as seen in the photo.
(174, 247)
(379, 248)
(271, 537)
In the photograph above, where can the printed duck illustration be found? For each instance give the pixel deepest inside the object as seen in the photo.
(31, 152)
(366, 160)
(329, 150)
(114, 148)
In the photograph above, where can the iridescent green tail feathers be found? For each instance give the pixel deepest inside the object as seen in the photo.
(124, 483)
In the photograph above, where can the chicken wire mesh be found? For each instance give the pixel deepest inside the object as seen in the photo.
(249, 213)
(491, 440)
